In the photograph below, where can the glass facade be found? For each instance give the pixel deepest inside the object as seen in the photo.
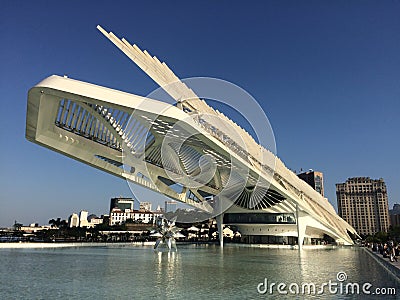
(270, 239)
(259, 218)
(318, 184)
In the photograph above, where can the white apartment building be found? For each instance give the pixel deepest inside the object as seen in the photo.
(118, 216)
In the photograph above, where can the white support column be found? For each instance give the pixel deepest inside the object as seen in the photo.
(301, 227)
(220, 225)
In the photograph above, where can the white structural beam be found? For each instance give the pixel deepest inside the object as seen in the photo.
(123, 134)
(220, 225)
(301, 226)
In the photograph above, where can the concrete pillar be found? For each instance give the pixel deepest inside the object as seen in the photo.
(301, 227)
(220, 225)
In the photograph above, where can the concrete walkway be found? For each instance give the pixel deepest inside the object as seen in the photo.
(392, 267)
(71, 245)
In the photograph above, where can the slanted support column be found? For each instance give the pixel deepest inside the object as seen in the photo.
(220, 225)
(301, 226)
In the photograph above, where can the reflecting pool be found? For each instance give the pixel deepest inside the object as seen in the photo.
(193, 272)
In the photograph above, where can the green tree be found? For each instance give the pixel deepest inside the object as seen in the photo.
(381, 237)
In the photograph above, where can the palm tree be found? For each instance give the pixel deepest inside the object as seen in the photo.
(17, 226)
(56, 223)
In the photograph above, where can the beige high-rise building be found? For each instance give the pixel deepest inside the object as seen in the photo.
(363, 203)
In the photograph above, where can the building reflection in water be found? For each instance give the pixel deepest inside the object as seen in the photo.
(167, 268)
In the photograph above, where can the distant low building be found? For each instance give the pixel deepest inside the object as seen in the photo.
(122, 203)
(227, 232)
(118, 216)
(94, 220)
(32, 228)
(394, 215)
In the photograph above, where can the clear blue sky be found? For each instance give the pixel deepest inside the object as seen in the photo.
(327, 74)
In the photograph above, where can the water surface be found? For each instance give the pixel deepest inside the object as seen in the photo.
(193, 272)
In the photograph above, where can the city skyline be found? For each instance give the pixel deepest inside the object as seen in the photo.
(281, 89)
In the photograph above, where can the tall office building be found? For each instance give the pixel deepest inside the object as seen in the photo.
(122, 203)
(83, 218)
(315, 179)
(363, 203)
(73, 220)
(394, 215)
